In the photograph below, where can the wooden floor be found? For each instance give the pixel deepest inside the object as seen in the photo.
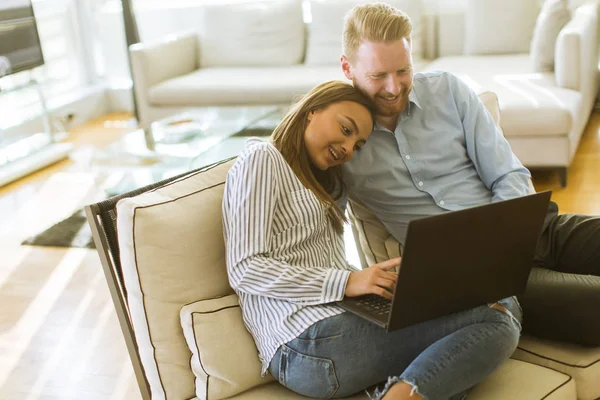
(59, 335)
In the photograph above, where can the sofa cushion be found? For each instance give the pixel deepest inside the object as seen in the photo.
(209, 86)
(499, 26)
(172, 254)
(251, 33)
(324, 46)
(554, 16)
(582, 363)
(224, 356)
(530, 103)
(243, 86)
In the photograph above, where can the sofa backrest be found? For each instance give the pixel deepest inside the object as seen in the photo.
(172, 254)
(247, 34)
(450, 28)
(324, 31)
(234, 33)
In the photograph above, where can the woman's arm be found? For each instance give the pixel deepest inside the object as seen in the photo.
(251, 197)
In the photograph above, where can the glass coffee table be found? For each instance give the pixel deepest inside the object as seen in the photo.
(185, 141)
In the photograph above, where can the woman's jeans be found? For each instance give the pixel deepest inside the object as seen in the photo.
(441, 359)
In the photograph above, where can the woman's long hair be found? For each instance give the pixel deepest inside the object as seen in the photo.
(288, 138)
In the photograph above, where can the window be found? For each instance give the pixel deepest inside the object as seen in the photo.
(65, 68)
(68, 66)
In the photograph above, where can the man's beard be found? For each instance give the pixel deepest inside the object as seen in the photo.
(387, 110)
(392, 110)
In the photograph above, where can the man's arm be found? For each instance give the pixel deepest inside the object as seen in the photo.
(488, 149)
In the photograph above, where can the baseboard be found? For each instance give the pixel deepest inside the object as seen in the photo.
(40, 159)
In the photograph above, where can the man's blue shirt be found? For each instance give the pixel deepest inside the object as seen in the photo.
(446, 153)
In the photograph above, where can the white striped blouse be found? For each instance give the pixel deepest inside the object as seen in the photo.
(284, 258)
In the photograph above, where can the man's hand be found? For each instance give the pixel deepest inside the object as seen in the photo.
(377, 279)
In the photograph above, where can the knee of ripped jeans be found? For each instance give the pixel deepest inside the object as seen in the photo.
(378, 394)
(506, 311)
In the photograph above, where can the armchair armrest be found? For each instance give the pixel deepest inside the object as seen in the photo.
(576, 51)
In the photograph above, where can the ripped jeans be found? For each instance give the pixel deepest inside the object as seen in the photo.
(441, 359)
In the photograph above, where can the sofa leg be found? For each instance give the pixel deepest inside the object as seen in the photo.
(562, 174)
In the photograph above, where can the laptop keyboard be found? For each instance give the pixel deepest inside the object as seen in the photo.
(374, 304)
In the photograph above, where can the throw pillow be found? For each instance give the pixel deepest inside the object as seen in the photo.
(499, 26)
(554, 16)
(224, 356)
(245, 33)
(325, 30)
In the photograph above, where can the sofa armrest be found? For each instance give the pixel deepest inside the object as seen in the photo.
(576, 51)
(152, 63)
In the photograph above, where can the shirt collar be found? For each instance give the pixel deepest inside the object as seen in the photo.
(412, 98)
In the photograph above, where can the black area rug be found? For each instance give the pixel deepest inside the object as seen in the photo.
(71, 232)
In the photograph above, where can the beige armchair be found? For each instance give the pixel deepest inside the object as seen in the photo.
(180, 318)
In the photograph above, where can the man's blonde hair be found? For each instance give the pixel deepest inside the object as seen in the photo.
(375, 22)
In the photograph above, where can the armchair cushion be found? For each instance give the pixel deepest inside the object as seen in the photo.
(499, 26)
(172, 254)
(250, 34)
(224, 356)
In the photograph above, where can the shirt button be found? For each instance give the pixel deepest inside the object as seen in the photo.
(407, 157)
(420, 183)
(442, 203)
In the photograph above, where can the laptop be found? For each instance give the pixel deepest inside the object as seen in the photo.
(459, 260)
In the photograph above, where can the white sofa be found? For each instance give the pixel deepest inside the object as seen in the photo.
(240, 53)
(235, 57)
(543, 114)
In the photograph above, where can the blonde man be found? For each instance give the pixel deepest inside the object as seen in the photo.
(434, 148)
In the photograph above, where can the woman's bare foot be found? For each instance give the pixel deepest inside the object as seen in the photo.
(401, 391)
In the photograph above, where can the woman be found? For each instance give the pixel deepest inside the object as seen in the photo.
(285, 257)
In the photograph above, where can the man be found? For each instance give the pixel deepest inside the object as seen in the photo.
(435, 148)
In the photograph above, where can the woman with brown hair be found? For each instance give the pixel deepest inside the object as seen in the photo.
(283, 221)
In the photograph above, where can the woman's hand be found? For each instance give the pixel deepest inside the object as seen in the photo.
(377, 279)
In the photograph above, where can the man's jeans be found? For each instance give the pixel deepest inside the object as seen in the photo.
(441, 359)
